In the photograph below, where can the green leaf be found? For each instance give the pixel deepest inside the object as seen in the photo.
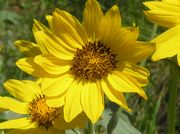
(9, 16)
(8, 115)
(123, 126)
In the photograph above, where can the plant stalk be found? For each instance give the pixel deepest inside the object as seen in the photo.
(91, 129)
(172, 99)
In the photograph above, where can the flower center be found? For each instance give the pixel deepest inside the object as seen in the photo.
(41, 113)
(93, 62)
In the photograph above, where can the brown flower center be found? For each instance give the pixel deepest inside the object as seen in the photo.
(93, 62)
(42, 114)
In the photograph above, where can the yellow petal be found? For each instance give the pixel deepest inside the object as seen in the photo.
(28, 48)
(78, 122)
(109, 27)
(136, 52)
(50, 43)
(163, 13)
(52, 65)
(140, 74)
(166, 6)
(40, 130)
(13, 105)
(56, 101)
(92, 100)
(37, 26)
(16, 124)
(56, 86)
(167, 44)
(49, 18)
(24, 90)
(72, 105)
(65, 23)
(124, 39)
(91, 17)
(115, 96)
(53, 130)
(163, 18)
(124, 83)
(20, 131)
(29, 66)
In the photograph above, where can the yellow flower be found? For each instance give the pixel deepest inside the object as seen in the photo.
(166, 13)
(37, 116)
(82, 62)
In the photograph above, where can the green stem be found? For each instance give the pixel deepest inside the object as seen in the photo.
(172, 99)
(76, 131)
(154, 30)
(91, 129)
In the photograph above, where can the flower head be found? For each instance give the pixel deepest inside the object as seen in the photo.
(165, 13)
(37, 116)
(82, 62)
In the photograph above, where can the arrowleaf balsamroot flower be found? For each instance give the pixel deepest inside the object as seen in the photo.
(166, 13)
(82, 62)
(37, 116)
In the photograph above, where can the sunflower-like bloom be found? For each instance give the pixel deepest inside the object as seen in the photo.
(82, 62)
(36, 116)
(166, 13)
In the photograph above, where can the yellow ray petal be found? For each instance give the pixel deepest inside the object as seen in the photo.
(24, 90)
(109, 26)
(163, 13)
(78, 122)
(49, 18)
(136, 52)
(66, 23)
(167, 44)
(56, 101)
(52, 65)
(50, 43)
(124, 83)
(13, 105)
(40, 130)
(16, 124)
(29, 66)
(56, 86)
(166, 6)
(53, 130)
(72, 105)
(27, 47)
(91, 17)
(38, 26)
(162, 18)
(168, 34)
(92, 100)
(140, 74)
(21, 131)
(115, 96)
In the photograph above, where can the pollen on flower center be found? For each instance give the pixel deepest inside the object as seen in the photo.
(42, 114)
(93, 62)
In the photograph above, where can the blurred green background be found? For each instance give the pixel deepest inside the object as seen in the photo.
(148, 117)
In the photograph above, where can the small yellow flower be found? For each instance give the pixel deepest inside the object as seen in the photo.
(82, 62)
(37, 116)
(166, 13)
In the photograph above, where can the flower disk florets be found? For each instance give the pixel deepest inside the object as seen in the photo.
(42, 114)
(93, 62)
